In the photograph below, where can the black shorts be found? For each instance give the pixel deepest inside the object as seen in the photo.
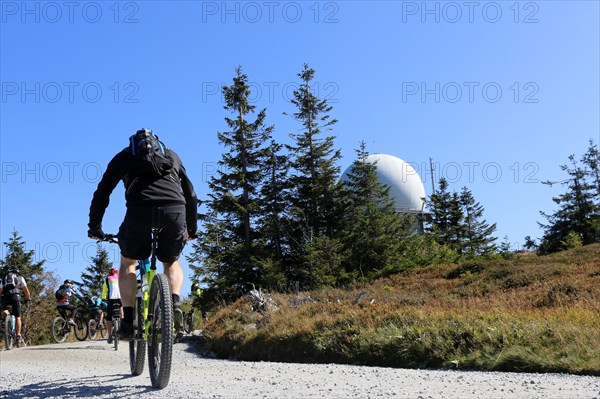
(63, 310)
(15, 301)
(135, 233)
(111, 303)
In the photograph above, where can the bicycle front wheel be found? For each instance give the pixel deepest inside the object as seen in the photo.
(60, 331)
(160, 340)
(137, 346)
(9, 337)
(81, 328)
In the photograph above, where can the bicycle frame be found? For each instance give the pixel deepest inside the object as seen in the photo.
(147, 273)
(153, 318)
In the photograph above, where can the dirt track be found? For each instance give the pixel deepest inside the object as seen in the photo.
(92, 369)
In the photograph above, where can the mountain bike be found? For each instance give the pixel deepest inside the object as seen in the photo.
(95, 326)
(188, 321)
(116, 323)
(9, 330)
(61, 328)
(153, 320)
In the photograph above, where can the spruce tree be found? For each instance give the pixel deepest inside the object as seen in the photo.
(275, 194)
(577, 211)
(446, 217)
(314, 180)
(478, 239)
(17, 256)
(591, 159)
(233, 262)
(94, 275)
(372, 230)
(41, 283)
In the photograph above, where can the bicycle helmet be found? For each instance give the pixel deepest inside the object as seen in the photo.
(113, 271)
(14, 269)
(67, 281)
(195, 286)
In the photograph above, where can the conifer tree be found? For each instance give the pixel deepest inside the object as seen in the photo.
(233, 261)
(314, 181)
(578, 211)
(95, 273)
(478, 239)
(17, 256)
(275, 194)
(591, 160)
(41, 283)
(372, 229)
(446, 217)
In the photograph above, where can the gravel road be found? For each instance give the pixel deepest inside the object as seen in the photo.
(92, 369)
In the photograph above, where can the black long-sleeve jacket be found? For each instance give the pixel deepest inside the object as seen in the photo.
(145, 190)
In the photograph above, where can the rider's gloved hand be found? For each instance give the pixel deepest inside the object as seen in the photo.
(96, 233)
(192, 235)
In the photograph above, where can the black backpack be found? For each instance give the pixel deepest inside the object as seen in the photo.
(10, 281)
(61, 293)
(149, 154)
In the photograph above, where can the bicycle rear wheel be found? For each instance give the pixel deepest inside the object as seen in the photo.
(116, 331)
(92, 328)
(60, 331)
(102, 328)
(160, 340)
(188, 324)
(81, 328)
(9, 337)
(137, 346)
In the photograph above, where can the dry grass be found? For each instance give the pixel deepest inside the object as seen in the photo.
(530, 313)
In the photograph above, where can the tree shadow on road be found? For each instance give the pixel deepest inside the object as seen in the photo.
(86, 387)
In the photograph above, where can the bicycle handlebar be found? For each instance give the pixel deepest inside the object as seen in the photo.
(112, 238)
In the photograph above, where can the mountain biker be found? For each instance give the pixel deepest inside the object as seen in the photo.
(158, 193)
(64, 292)
(10, 294)
(111, 294)
(196, 293)
(97, 306)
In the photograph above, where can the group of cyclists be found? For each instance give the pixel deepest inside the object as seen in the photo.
(10, 295)
(158, 194)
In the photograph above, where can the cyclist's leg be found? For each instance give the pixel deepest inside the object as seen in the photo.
(16, 306)
(135, 243)
(74, 311)
(171, 240)
(127, 281)
(174, 273)
(4, 302)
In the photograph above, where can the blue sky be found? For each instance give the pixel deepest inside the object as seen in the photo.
(498, 94)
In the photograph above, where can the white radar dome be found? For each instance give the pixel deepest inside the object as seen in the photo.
(406, 187)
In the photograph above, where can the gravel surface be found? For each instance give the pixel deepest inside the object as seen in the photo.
(92, 369)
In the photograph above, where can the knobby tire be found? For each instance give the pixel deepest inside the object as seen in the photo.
(116, 332)
(81, 328)
(93, 328)
(137, 347)
(160, 340)
(58, 326)
(9, 338)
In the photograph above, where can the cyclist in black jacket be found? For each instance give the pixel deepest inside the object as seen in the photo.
(160, 195)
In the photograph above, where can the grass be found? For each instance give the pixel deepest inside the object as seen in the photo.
(530, 313)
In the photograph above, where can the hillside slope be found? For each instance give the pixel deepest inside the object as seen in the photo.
(528, 313)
